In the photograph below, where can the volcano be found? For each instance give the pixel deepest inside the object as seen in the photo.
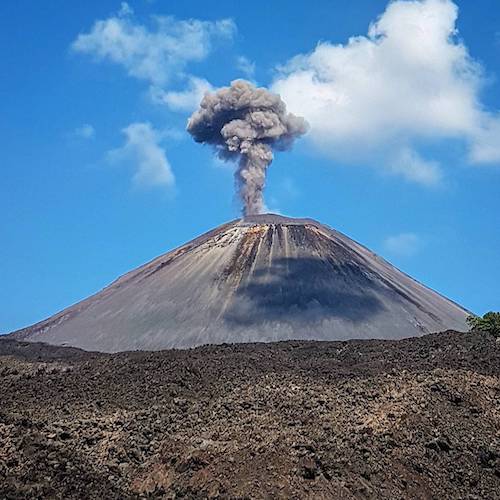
(263, 278)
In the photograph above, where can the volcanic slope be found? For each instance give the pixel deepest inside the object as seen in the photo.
(260, 279)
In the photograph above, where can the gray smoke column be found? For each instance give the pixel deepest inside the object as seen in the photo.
(246, 123)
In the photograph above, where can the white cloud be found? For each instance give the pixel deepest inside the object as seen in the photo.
(142, 150)
(403, 245)
(379, 97)
(185, 100)
(409, 164)
(125, 10)
(85, 131)
(157, 54)
(246, 66)
(485, 146)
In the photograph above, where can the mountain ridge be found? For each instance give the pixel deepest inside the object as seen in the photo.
(260, 278)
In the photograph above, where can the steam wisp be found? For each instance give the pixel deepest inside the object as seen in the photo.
(246, 123)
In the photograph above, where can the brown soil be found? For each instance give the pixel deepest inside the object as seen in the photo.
(417, 418)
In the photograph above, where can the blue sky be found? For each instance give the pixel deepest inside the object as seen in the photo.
(99, 176)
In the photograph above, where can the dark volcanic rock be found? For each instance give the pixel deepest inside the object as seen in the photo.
(415, 418)
(262, 279)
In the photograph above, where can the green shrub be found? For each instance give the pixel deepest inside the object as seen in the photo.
(490, 323)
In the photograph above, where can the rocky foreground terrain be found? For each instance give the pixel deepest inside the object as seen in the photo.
(416, 418)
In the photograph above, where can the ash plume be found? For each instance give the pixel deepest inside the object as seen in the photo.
(246, 123)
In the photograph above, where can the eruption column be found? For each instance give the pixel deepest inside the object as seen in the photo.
(246, 123)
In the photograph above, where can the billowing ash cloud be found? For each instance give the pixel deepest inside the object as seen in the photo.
(246, 123)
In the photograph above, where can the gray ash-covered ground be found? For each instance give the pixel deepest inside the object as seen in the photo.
(417, 418)
(264, 278)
